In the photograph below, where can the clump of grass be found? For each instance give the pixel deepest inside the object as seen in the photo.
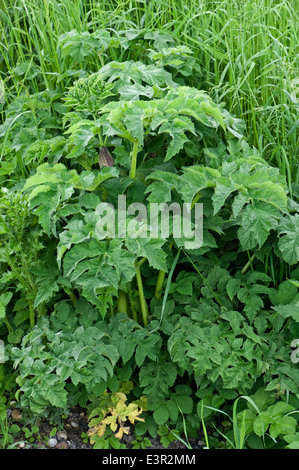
(249, 51)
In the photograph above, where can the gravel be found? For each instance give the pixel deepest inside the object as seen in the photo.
(53, 442)
(69, 435)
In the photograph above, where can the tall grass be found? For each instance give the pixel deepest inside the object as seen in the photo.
(248, 51)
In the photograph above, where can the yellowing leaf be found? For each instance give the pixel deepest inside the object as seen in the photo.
(122, 430)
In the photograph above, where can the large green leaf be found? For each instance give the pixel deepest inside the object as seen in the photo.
(56, 395)
(257, 221)
(151, 249)
(288, 243)
(157, 378)
(289, 310)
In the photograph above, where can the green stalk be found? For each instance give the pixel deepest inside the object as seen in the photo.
(195, 199)
(72, 296)
(249, 263)
(134, 314)
(167, 289)
(20, 278)
(144, 308)
(134, 161)
(8, 326)
(122, 305)
(41, 310)
(160, 280)
(159, 285)
(204, 427)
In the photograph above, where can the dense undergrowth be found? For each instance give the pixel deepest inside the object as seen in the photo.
(158, 105)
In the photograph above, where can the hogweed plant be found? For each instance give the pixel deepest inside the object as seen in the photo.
(166, 251)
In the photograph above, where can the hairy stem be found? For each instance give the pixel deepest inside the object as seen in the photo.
(134, 161)
(31, 313)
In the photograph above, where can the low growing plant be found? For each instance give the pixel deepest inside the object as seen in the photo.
(113, 412)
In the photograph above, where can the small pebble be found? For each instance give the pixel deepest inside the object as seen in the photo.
(16, 414)
(40, 445)
(74, 424)
(62, 445)
(22, 445)
(53, 442)
(128, 438)
(61, 435)
(72, 444)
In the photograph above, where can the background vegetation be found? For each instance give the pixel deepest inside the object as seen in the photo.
(247, 53)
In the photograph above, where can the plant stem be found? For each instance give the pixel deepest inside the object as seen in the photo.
(122, 302)
(140, 262)
(31, 313)
(167, 289)
(144, 308)
(8, 325)
(195, 199)
(134, 314)
(41, 309)
(133, 309)
(159, 285)
(160, 280)
(134, 161)
(72, 296)
(249, 263)
(204, 429)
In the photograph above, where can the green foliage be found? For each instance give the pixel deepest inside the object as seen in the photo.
(128, 325)
(46, 360)
(21, 245)
(141, 443)
(278, 419)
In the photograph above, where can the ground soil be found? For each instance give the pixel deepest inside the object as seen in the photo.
(69, 435)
